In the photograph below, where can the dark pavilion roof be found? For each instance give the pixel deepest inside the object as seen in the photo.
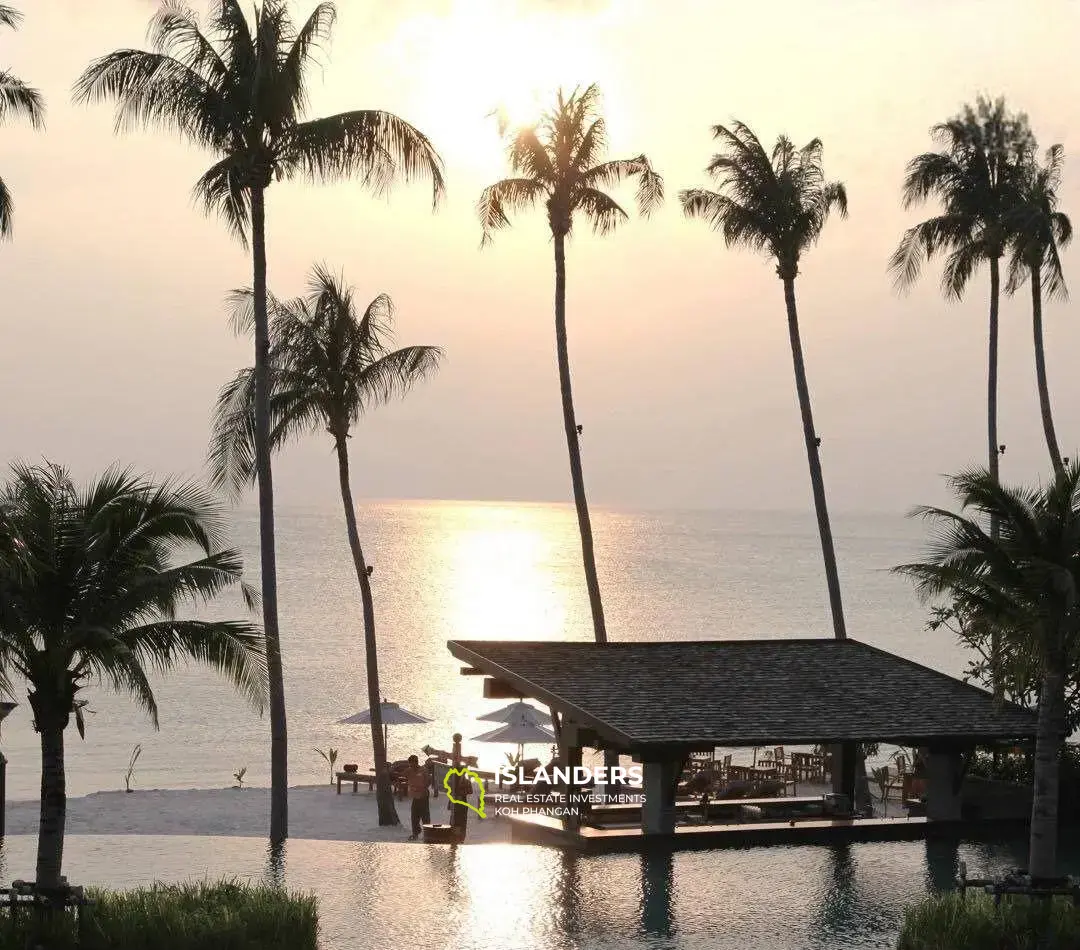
(745, 692)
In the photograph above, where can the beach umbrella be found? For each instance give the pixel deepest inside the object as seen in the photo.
(392, 715)
(516, 710)
(520, 731)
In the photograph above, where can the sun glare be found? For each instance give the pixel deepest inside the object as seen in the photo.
(482, 58)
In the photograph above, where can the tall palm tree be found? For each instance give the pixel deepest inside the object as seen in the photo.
(329, 364)
(92, 583)
(1028, 578)
(975, 177)
(560, 161)
(16, 98)
(1037, 232)
(778, 204)
(240, 91)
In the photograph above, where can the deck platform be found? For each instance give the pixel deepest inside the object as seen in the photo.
(552, 832)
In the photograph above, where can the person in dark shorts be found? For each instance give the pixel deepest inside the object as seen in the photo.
(459, 814)
(418, 780)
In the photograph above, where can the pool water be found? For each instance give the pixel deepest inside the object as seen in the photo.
(515, 897)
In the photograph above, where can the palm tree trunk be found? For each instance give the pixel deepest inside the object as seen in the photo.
(573, 444)
(994, 452)
(384, 793)
(817, 481)
(1040, 371)
(279, 746)
(1042, 854)
(50, 853)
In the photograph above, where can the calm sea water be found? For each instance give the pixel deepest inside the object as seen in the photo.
(465, 570)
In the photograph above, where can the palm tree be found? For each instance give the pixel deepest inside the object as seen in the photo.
(778, 204)
(1028, 579)
(329, 366)
(1037, 232)
(91, 586)
(240, 91)
(560, 161)
(19, 99)
(975, 177)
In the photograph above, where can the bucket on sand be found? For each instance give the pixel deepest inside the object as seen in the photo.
(440, 834)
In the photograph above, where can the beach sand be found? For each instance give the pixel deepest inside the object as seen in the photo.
(315, 812)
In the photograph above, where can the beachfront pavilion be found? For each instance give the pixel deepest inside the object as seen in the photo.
(660, 701)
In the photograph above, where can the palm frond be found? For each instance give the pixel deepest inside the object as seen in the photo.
(504, 197)
(9, 16)
(650, 191)
(377, 146)
(221, 191)
(315, 31)
(157, 90)
(603, 211)
(19, 99)
(7, 209)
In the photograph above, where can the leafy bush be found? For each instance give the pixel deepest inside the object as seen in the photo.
(1017, 768)
(204, 916)
(954, 922)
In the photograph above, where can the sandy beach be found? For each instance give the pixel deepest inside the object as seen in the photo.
(315, 812)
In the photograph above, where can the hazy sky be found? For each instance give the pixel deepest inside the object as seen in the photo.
(115, 342)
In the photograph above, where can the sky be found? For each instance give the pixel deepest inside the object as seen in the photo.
(115, 342)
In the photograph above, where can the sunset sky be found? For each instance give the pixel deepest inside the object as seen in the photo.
(114, 334)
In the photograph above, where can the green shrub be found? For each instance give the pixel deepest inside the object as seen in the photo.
(954, 922)
(204, 916)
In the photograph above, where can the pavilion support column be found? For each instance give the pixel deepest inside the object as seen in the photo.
(845, 757)
(944, 775)
(658, 783)
(572, 759)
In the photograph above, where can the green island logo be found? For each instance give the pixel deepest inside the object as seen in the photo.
(472, 777)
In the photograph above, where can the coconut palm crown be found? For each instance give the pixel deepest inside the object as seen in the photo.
(775, 203)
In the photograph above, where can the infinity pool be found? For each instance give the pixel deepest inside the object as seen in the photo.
(513, 897)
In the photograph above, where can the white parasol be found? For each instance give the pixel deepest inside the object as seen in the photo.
(392, 715)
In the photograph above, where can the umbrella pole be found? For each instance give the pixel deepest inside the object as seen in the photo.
(386, 740)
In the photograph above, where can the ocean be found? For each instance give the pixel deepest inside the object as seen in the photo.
(467, 570)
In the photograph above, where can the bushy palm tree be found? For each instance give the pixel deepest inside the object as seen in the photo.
(240, 90)
(330, 364)
(1037, 231)
(560, 161)
(92, 585)
(778, 204)
(1027, 579)
(16, 98)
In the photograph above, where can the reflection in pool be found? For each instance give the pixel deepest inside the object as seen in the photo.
(514, 897)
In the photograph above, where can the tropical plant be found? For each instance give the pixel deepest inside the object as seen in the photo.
(129, 775)
(882, 780)
(974, 921)
(91, 588)
(1037, 232)
(560, 161)
(1028, 577)
(1017, 671)
(778, 204)
(19, 99)
(239, 776)
(330, 364)
(330, 757)
(240, 90)
(225, 915)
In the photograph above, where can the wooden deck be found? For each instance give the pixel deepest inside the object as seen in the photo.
(543, 830)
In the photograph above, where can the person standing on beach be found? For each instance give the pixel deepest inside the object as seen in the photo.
(418, 780)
